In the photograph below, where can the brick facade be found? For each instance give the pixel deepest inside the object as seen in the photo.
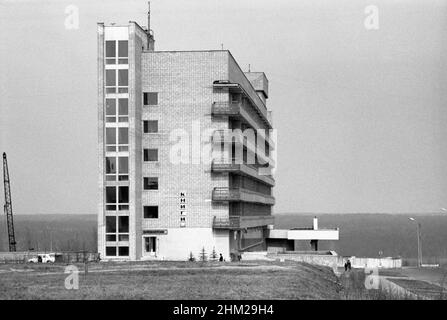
(183, 82)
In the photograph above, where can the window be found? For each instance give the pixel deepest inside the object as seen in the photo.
(150, 126)
(110, 49)
(117, 196)
(123, 166)
(150, 154)
(111, 80)
(123, 78)
(117, 168)
(123, 237)
(110, 165)
(150, 98)
(123, 136)
(123, 224)
(110, 194)
(110, 110)
(110, 135)
(123, 110)
(114, 114)
(113, 135)
(112, 54)
(110, 224)
(110, 251)
(123, 194)
(150, 183)
(150, 212)
(117, 228)
(150, 244)
(123, 50)
(123, 251)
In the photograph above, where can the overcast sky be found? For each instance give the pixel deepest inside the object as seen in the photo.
(361, 114)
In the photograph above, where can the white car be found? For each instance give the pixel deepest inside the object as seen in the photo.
(43, 258)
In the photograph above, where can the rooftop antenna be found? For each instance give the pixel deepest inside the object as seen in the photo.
(148, 16)
(221, 45)
(249, 68)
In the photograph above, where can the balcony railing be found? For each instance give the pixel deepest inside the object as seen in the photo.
(241, 222)
(221, 165)
(225, 108)
(235, 109)
(229, 136)
(257, 104)
(240, 194)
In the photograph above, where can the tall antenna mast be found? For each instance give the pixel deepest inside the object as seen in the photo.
(148, 17)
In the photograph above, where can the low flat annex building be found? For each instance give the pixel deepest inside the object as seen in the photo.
(151, 206)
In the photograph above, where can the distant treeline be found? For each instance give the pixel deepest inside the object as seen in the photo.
(368, 235)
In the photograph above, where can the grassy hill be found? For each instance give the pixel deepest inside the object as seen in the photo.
(173, 281)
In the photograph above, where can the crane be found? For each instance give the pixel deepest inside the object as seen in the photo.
(8, 206)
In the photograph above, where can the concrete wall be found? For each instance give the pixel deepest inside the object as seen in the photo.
(321, 234)
(327, 260)
(178, 243)
(375, 262)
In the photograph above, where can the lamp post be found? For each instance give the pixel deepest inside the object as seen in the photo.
(419, 241)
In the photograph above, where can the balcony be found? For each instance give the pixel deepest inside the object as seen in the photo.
(243, 195)
(242, 139)
(257, 105)
(242, 222)
(220, 165)
(226, 108)
(237, 110)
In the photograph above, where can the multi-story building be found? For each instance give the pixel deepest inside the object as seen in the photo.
(158, 112)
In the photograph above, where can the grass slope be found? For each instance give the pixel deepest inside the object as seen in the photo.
(173, 280)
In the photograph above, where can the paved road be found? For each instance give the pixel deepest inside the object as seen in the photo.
(431, 275)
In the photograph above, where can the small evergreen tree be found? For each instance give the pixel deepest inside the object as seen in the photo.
(202, 255)
(214, 254)
(191, 257)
